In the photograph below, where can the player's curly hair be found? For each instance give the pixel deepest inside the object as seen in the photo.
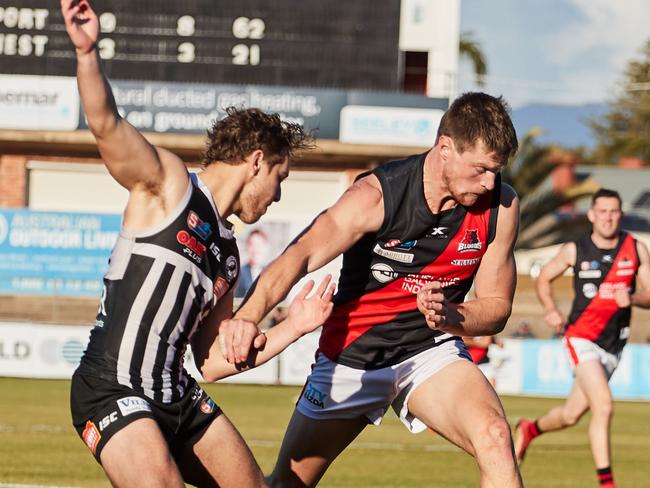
(478, 116)
(244, 130)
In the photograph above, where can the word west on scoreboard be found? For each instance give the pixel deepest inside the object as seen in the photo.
(336, 44)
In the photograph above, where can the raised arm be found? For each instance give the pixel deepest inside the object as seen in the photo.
(359, 211)
(564, 259)
(131, 160)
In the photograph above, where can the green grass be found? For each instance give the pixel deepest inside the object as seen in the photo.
(39, 446)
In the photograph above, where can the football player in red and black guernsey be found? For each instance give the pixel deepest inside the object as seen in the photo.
(606, 264)
(415, 234)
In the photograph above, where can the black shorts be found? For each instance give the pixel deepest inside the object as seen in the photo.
(100, 408)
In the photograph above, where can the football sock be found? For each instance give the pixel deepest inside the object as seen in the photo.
(605, 477)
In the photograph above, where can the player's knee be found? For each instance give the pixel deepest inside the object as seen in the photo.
(603, 410)
(495, 436)
(571, 417)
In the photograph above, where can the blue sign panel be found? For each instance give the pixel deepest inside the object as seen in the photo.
(547, 370)
(54, 253)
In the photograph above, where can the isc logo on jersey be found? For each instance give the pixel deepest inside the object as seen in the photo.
(198, 226)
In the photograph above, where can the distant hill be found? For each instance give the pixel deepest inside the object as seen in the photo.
(566, 125)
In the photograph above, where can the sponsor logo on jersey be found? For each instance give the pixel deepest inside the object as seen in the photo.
(438, 232)
(589, 290)
(232, 268)
(196, 393)
(220, 288)
(132, 404)
(91, 436)
(413, 283)
(590, 274)
(198, 226)
(470, 241)
(193, 248)
(383, 273)
(314, 396)
(625, 263)
(108, 420)
(399, 245)
(625, 272)
(402, 257)
(587, 265)
(465, 262)
(216, 251)
(607, 258)
(207, 406)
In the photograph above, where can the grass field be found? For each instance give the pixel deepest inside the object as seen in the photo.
(38, 445)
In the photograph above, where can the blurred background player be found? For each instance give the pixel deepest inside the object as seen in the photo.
(479, 348)
(605, 264)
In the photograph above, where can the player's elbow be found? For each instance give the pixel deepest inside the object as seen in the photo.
(504, 312)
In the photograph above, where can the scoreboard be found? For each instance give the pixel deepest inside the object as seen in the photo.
(342, 44)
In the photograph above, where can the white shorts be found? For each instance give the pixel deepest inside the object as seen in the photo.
(581, 350)
(335, 391)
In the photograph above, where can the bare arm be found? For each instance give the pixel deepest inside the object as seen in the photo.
(494, 283)
(305, 315)
(359, 210)
(130, 158)
(564, 259)
(642, 298)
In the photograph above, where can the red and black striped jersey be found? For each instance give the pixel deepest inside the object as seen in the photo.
(375, 322)
(598, 274)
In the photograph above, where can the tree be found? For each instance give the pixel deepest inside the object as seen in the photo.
(542, 221)
(625, 130)
(470, 49)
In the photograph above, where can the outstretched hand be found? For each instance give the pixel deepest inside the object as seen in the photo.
(81, 23)
(307, 314)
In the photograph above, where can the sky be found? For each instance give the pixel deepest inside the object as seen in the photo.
(568, 52)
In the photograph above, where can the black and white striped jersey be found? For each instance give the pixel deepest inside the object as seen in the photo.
(158, 287)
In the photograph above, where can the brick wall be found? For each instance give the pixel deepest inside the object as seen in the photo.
(13, 181)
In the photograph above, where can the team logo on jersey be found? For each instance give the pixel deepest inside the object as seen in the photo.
(314, 396)
(402, 257)
(193, 248)
(589, 290)
(220, 288)
(470, 241)
(438, 232)
(383, 273)
(232, 268)
(91, 436)
(198, 226)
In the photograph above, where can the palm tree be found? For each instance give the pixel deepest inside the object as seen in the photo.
(470, 49)
(542, 222)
